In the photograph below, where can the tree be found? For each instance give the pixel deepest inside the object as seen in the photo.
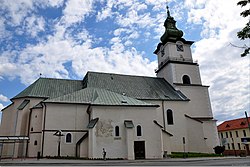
(245, 32)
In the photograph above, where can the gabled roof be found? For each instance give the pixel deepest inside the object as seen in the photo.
(50, 88)
(139, 87)
(96, 96)
(235, 124)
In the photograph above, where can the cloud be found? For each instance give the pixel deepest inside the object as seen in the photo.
(3, 98)
(76, 10)
(1, 107)
(220, 64)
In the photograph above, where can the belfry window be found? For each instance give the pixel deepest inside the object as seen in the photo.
(117, 131)
(170, 118)
(186, 79)
(68, 138)
(139, 130)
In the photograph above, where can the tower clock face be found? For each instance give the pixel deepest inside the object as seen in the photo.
(179, 47)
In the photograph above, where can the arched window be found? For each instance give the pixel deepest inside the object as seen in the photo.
(31, 129)
(186, 79)
(68, 138)
(117, 131)
(35, 142)
(138, 130)
(170, 117)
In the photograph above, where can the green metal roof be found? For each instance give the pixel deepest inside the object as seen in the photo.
(129, 124)
(50, 88)
(96, 96)
(92, 123)
(138, 87)
(110, 88)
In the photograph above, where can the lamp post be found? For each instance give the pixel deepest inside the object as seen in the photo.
(59, 134)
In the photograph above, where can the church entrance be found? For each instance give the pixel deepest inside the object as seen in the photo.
(139, 149)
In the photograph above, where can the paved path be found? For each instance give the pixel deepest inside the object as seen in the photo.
(215, 161)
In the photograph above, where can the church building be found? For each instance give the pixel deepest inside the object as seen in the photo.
(130, 117)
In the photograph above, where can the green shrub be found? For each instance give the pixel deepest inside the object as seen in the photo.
(191, 155)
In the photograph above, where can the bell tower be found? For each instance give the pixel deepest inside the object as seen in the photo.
(175, 62)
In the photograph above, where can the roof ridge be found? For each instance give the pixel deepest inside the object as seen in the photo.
(130, 75)
(67, 79)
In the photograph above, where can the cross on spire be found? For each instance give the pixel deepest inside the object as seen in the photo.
(168, 11)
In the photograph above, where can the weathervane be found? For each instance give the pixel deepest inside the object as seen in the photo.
(167, 8)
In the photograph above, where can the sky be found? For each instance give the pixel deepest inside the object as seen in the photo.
(67, 38)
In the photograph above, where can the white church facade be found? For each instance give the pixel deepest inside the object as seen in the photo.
(131, 117)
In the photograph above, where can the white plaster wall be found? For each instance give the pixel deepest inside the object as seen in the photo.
(15, 123)
(109, 117)
(210, 132)
(178, 129)
(34, 149)
(8, 121)
(199, 104)
(167, 73)
(66, 117)
(195, 141)
(186, 69)
(173, 53)
(36, 134)
(84, 148)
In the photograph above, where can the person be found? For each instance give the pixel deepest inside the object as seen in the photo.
(104, 154)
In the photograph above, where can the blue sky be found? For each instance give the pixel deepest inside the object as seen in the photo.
(67, 38)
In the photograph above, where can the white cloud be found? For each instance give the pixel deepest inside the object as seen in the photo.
(76, 10)
(34, 25)
(1, 107)
(17, 10)
(221, 65)
(3, 98)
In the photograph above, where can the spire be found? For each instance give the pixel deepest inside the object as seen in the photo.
(171, 32)
(168, 11)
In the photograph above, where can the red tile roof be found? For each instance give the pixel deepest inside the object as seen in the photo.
(240, 123)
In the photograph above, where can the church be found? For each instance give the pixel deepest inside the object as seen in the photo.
(130, 117)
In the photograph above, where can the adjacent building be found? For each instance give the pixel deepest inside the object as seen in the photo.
(235, 136)
(131, 117)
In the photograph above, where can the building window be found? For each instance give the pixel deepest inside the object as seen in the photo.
(236, 132)
(231, 135)
(170, 117)
(228, 146)
(221, 135)
(35, 142)
(139, 131)
(68, 138)
(239, 146)
(117, 131)
(186, 79)
(244, 133)
(31, 129)
(226, 135)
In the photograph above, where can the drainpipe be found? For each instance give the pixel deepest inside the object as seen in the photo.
(163, 112)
